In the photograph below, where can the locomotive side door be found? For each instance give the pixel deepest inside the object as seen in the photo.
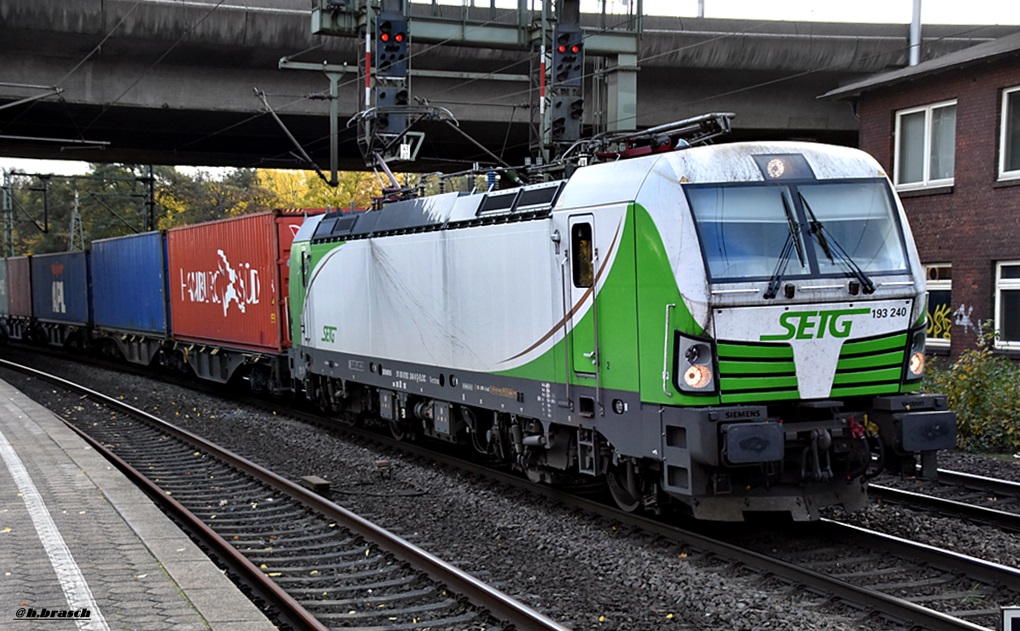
(582, 315)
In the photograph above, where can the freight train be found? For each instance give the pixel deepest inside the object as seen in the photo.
(727, 329)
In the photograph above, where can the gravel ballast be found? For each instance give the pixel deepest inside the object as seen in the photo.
(577, 568)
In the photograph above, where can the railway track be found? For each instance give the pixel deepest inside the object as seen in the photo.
(319, 565)
(888, 582)
(988, 501)
(932, 587)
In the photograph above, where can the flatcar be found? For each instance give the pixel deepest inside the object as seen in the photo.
(208, 299)
(730, 329)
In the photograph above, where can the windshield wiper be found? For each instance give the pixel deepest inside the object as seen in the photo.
(833, 249)
(792, 242)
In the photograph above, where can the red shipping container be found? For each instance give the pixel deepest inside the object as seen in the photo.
(228, 281)
(19, 286)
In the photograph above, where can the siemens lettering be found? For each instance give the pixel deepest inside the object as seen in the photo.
(805, 325)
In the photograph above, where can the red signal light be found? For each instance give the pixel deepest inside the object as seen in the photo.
(399, 37)
(384, 37)
(562, 48)
(575, 48)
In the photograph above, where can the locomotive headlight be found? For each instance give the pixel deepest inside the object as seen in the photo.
(915, 358)
(695, 365)
(916, 365)
(698, 377)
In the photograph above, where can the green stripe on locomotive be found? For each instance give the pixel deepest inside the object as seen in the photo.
(748, 372)
(631, 312)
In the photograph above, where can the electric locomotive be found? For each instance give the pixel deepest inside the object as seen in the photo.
(730, 328)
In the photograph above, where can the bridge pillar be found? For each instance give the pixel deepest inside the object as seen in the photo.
(621, 78)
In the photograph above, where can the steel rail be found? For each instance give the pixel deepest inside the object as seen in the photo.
(892, 607)
(992, 485)
(477, 592)
(290, 610)
(902, 610)
(889, 606)
(988, 571)
(991, 516)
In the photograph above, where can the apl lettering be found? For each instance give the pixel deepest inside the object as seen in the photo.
(806, 325)
(57, 294)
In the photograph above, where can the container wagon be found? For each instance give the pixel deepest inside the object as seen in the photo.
(4, 308)
(130, 294)
(19, 297)
(228, 297)
(62, 297)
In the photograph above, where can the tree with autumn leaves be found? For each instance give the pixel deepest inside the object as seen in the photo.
(192, 199)
(112, 199)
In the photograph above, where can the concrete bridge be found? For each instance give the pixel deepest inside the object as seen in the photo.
(172, 81)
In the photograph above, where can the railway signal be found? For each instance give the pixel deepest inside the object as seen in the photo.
(391, 47)
(568, 58)
(566, 118)
(391, 73)
(567, 100)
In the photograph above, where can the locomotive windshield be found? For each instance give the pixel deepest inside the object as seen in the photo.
(809, 229)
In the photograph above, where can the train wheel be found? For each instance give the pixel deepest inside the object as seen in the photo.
(401, 431)
(624, 486)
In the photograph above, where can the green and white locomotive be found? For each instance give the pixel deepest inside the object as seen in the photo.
(735, 328)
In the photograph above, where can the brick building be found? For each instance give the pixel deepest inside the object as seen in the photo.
(948, 133)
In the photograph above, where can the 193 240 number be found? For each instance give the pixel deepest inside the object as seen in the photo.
(889, 312)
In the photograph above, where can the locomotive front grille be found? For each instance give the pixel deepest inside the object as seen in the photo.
(755, 372)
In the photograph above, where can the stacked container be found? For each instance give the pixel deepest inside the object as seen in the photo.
(129, 284)
(19, 287)
(228, 281)
(60, 288)
(4, 310)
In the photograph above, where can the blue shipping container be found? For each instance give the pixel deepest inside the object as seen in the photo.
(60, 288)
(129, 284)
(4, 308)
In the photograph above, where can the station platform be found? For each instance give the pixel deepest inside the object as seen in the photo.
(78, 541)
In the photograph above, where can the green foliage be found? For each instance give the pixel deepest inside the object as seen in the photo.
(189, 199)
(984, 390)
(304, 189)
(113, 200)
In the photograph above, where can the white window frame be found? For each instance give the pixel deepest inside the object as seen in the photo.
(1000, 285)
(926, 181)
(938, 285)
(1003, 125)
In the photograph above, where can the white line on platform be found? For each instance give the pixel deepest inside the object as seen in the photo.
(76, 589)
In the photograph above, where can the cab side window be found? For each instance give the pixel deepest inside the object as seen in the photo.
(582, 263)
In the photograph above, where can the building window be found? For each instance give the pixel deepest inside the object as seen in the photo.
(940, 309)
(1009, 139)
(1007, 304)
(926, 145)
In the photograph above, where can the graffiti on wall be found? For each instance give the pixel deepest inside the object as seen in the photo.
(963, 313)
(941, 319)
(939, 323)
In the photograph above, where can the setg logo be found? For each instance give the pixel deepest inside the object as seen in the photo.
(807, 325)
(328, 334)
